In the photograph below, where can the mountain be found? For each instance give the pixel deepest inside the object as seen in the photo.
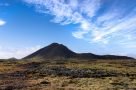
(53, 51)
(59, 51)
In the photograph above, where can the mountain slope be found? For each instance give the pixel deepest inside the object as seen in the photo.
(53, 51)
(59, 51)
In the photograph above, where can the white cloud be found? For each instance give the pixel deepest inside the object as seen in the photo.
(111, 26)
(70, 12)
(127, 24)
(6, 53)
(2, 22)
(79, 34)
(89, 7)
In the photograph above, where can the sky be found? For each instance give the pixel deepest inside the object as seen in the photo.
(95, 26)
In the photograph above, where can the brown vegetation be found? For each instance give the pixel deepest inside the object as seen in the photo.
(68, 75)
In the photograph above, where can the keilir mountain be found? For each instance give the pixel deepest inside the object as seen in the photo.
(59, 51)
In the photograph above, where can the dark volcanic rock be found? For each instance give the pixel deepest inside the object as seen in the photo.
(59, 51)
(53, 51)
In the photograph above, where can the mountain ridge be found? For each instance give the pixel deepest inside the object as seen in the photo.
(60, 51)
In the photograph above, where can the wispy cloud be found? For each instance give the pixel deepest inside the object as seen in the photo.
(6, 53)
(2, 22)
(111, 24)
(69, 12)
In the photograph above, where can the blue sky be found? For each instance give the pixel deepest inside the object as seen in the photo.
(97, 26)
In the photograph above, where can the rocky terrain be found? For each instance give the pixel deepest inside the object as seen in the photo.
(68, 75)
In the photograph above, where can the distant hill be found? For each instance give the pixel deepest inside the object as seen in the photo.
(59, 51)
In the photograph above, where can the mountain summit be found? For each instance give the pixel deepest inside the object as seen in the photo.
(53, 51)
(59, 51)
